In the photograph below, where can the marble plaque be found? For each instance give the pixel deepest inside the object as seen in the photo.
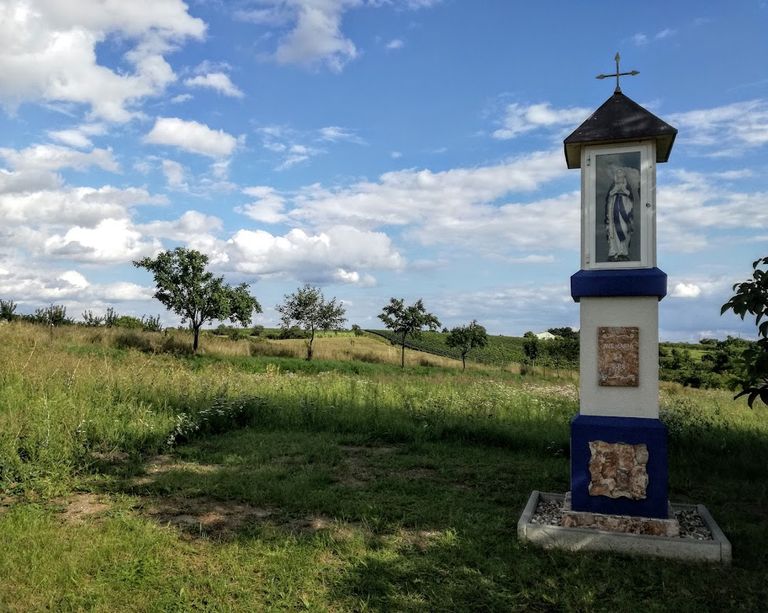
(618, 469)
(618, 356)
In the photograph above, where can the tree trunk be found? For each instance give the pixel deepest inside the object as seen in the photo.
(309, 345)
(196, 341)
(463, 361)
(402, 353)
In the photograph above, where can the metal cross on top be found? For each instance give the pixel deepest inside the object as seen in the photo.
(617, 74)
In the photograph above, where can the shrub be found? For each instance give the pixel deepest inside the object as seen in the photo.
(7, 308)
(129, 322)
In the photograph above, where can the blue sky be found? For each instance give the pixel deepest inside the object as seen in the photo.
(376, 148)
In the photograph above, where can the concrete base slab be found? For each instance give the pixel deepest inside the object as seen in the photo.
(717, 549)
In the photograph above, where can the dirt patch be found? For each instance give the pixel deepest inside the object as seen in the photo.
(162, 464)
(109, 457)
(369, 450)
(78, 508)
(203, 516)
(418, 473)
(341, 531)
(355, 470)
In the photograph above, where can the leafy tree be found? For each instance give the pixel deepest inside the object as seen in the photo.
(407, 321)
(751, 297)
(567, 332)
(7, 309)
(466, 338)
(185, 287)
(308, 308)
(531, 347)
(357, 330)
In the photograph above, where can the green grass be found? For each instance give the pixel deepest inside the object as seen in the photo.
(330, 486)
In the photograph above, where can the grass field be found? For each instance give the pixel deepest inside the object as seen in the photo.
(137, 477)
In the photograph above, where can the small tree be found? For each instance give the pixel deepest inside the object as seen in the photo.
(531, 348)
(407, 321)
(308, 308)
(752, 297)
(185, 287)
(466, 338)
(90, 320)
(53, 315)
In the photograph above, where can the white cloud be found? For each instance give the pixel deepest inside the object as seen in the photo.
(49, 51)
(640, 39)
(39, 286)
(694, 205)
(85, 206)
(191, 136)
(174, 174)
(75, 279)
(395, 155)
(336, 133)
(686, 290)
(73, 138)
(187, 228)
(268, 206)
(520, 119)
(726, 130)
(110, 241)
(55, 157)
(665, 33)
(395, 43)
(218, 81)
(180, 98)
(314, 36)
(409, 197)
(338, 254)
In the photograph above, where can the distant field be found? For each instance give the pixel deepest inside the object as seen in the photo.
(500, 350)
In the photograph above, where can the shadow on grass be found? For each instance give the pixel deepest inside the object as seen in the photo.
(424, 525)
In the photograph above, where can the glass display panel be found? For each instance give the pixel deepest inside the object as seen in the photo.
(618, 224)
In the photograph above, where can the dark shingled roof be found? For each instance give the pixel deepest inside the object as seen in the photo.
(618, 120)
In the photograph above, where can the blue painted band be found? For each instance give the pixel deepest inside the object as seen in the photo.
(619, 282)
(632, 431)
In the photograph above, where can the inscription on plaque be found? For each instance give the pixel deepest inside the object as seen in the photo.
(618, 356)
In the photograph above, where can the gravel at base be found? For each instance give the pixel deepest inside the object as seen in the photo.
(692, 525)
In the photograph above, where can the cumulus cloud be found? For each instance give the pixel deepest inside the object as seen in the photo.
(110, 241)
(341, 254)
(36, 286)
(408, 197)
(85, 206)
(692, 205)
(394, 44)
(312, 34)
(187, 228)
(174, 174)
(686, 290)
(191, 136)
(49, 51)
(725, 130)
(520, 119)
(217, 81)
(268, 204)
(55, 157)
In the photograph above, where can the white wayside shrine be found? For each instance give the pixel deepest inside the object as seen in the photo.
(619, 472)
